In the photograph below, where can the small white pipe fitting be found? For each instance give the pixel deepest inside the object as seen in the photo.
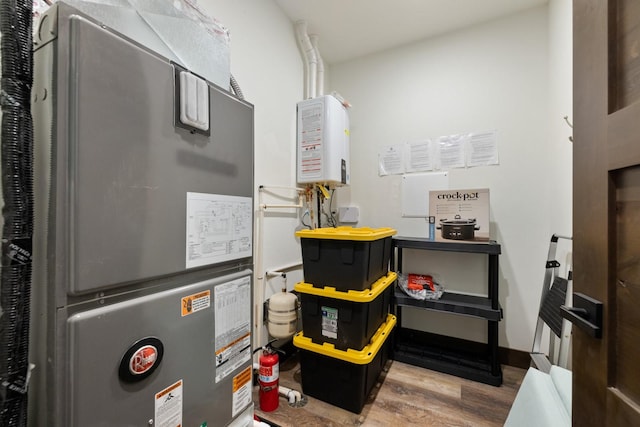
(280, 271)
(276, 273)
(293, 396)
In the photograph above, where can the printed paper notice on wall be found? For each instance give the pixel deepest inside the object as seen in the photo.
(482, 149)
(451, 151)
(219, 228)
(390, 160)
(419, 156)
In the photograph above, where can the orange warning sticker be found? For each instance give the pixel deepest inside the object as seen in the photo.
(241, 379)
(168, 406)
(196, 302)
(169, 389)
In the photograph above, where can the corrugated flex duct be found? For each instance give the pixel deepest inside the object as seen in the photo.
(17, 213)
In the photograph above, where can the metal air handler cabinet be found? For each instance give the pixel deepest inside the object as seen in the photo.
(143, 258)
(474, 361)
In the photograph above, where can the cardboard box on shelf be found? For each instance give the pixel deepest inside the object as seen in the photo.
(461, 214)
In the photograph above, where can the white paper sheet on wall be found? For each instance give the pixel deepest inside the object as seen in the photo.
(415, 192)
(443, 153)
(390, 160)
(419, 156)
(451, 151)
(482, 149)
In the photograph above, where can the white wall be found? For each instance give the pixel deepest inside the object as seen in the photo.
(491, 76)
(561, 148)
(561, 105)
(266, 63)
(512, 74)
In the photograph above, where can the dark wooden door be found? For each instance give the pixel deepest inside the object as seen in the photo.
(606, 216)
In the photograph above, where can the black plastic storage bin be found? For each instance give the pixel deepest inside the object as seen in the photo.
(345, 257)
(343, 378)
(345, 319)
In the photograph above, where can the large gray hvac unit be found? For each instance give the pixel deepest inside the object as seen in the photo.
(143, 242)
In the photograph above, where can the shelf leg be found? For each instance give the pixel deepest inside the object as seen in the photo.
(492, 342)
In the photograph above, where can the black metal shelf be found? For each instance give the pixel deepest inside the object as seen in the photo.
(411, 347)
(428, 351)
(463, 304)
(489, 247)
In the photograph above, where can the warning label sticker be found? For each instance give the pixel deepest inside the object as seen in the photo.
(232, 325)
(196, 302)
(310, 143)
(329, 322)
(168, 406)
(230, 364)
(241, 391)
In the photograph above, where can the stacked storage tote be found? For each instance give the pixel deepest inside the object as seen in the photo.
(345, 303)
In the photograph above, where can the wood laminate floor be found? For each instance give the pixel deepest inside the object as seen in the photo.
(405, 396)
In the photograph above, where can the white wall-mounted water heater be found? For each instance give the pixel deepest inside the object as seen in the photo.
(323, 142)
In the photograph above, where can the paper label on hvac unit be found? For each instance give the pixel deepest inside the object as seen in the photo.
(168, 406)
(241, 391)
(196, 302)
(233, 363)
(329, 322)
(232, 305)
(219, 228)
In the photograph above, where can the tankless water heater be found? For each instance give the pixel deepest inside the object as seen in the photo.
(323, 142)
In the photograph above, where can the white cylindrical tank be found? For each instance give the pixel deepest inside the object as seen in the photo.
(283, 315)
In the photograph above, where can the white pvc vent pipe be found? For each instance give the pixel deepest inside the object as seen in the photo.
(319, 66)
(310, 59)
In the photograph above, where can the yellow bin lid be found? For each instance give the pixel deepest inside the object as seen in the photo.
(366, 295)
(363, 234)
(362, 357)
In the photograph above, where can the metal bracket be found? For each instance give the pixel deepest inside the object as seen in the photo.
(586, 313)
(552, 264)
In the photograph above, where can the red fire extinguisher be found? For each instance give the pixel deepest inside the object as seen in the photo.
(268, 375)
